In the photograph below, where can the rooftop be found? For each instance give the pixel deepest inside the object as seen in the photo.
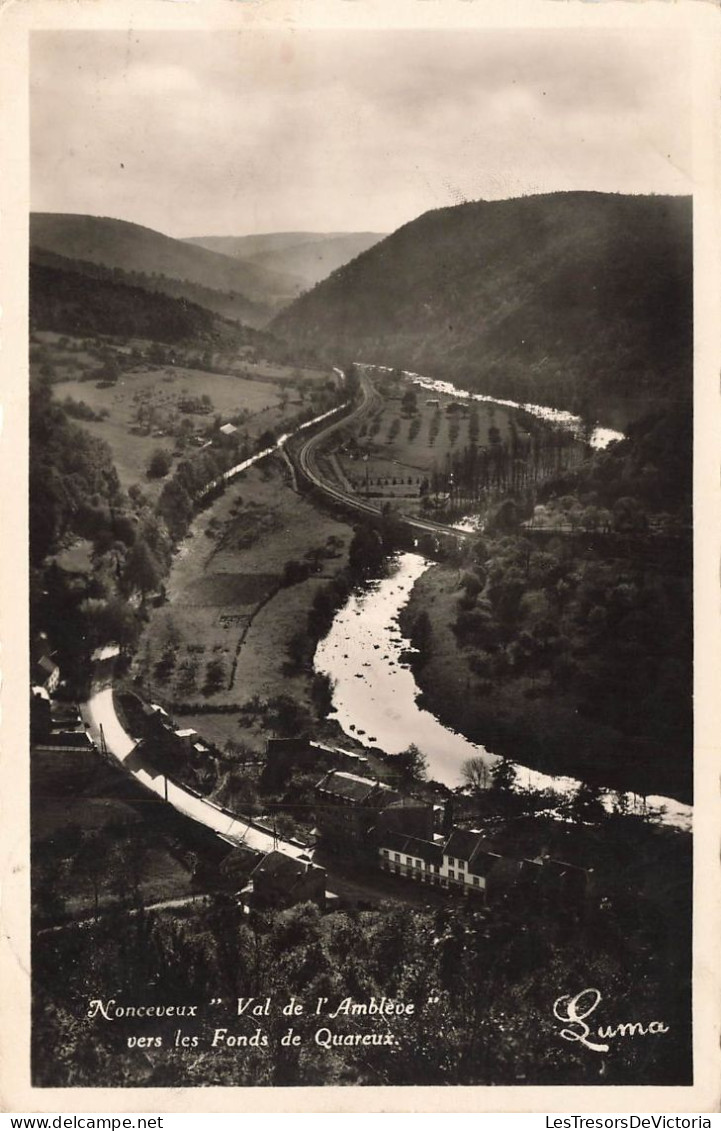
(277, 863)
(350, 786)
(462, 843)
(46, 665)
(413, 846)
(483, 863)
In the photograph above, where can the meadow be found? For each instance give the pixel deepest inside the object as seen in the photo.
(410, 438)
(145, 414)
(222, 638)
(140, 408)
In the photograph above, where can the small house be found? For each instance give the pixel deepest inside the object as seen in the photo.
(280, 881)
(187, 737)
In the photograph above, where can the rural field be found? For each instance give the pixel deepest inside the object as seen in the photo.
(140, 409)
(146, 413)
(411, 436)
(222, 637)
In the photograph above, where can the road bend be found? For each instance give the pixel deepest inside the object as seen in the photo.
(99, 712)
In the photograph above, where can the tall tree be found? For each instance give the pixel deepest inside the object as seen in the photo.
(142, 573)
(411, 766)
(365, 555)
(476, 775)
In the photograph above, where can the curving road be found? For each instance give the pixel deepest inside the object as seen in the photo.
(102, 721)
(99, 711)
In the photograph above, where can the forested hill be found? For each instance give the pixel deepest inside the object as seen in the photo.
(72, 302)
(136, 249)
(226, 304)
(559, 299)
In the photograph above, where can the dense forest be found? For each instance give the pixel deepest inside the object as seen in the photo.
(563, 299)
(227, 304)
(71, 472)
(569, 627)
(74, 302)
(132, 247)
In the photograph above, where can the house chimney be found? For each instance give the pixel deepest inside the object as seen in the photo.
(448, 814)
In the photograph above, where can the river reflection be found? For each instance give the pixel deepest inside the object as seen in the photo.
(374, 692)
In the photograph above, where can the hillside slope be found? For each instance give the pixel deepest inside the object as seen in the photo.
(562, 299)
(226, 304)
(69, 301)
(310, 256)
(134, 249)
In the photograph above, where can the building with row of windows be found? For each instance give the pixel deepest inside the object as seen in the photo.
(400, 835)
(464, 862)
(461, 861)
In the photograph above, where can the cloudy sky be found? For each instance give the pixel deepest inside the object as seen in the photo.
(326, 130)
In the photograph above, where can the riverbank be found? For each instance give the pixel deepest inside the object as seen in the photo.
(532, 714)
(599, 436)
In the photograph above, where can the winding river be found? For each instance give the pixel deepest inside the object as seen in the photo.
(375, 692)
(600, 436)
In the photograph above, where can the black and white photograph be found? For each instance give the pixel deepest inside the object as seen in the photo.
(362, 748)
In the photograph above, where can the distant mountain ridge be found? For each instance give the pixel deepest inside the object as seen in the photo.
(138, 250)
(311, 256)
(557, 299)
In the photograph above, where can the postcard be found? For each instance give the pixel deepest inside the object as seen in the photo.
(360, 559)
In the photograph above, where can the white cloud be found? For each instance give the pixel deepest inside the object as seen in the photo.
(327, 130)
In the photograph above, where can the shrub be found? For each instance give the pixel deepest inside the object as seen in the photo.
(159, 464)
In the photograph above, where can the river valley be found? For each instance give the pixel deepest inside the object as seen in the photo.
(374, 693)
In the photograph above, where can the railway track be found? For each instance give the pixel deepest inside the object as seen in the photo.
(307, 465)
